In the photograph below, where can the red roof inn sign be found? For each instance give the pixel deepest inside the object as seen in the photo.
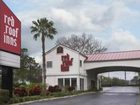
(10, 37)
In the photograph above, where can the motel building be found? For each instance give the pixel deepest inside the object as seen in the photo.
(66, 67)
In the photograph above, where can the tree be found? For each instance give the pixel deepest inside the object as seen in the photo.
(43, 28)
(119, 82)
(135, 80)
(85, 44)
(107, 81)
(30, 71)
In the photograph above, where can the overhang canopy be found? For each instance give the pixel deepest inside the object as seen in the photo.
(113, 56)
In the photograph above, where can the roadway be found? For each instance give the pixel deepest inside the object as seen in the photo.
(109, 96)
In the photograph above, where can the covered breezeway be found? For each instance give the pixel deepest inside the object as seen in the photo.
(108, 62)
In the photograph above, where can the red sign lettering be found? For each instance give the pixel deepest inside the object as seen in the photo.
(66, 62)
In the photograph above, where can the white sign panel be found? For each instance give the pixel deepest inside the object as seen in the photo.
(8, 59)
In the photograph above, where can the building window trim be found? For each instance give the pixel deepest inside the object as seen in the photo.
(59, 50)
(49, 64)
(81, 63)
(67, 82)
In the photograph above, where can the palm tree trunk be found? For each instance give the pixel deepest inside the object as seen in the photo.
(44, 65)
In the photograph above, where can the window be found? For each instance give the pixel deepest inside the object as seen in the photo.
(80, 63)
(60, 82)
(67, 82)
(59, 50)
(49, 64)
(74, 82)
(81, 84)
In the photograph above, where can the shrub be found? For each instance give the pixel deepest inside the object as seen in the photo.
(57, 88)
(23, 99)
(93, 89)
(54, 88)
(35, 90)
(20, 91)
(14, 100)
(4, 96)
(51, 89)
(70, 88)
(19, 84)
(60, 94)
(28, 90)
(47, 92)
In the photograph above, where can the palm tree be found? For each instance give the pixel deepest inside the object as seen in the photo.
(43, 28)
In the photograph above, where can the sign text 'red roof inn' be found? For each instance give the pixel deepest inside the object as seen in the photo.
(10, 30)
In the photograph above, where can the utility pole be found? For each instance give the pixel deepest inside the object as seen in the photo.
(125, 76)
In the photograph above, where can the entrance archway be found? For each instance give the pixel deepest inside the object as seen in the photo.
(92, 74)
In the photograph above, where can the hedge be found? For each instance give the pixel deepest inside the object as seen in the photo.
(4, 96)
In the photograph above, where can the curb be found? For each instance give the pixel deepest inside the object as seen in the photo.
(49, 99)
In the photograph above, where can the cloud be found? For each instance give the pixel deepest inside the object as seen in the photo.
(123, 40)
(77, 17)
(121, 13)
(105, 19)
(63, 16)
(133, 1)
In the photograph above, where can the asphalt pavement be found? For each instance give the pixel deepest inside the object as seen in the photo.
(110, 96)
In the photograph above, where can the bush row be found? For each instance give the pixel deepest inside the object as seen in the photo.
(54, 89)
(51, 95)
(33, 90)
(26, 91)
(4, 96)
(24, 99)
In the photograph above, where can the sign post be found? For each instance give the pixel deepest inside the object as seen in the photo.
(10, 45)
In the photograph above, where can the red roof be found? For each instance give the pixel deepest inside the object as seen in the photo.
(113, 56)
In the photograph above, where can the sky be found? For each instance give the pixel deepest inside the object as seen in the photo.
(114, 22)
